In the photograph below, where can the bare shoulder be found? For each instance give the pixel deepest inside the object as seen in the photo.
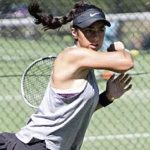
(66, 71)
(71, 54)
(75, 54)
(68, 63)
(68, 59)
(81, 57)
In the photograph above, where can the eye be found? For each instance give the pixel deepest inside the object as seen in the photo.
(102, 29)
(88, 32)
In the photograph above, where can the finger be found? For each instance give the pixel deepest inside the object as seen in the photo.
(119, 77)
(112, 77)
(128, 80)
(124, 78)
(128, 88)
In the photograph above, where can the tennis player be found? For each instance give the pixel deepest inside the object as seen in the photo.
(72, 95)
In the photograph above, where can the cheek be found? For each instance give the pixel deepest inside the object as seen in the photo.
(101, 37)
(83, 41)
(101, 41)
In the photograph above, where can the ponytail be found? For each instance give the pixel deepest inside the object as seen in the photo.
(54, 22)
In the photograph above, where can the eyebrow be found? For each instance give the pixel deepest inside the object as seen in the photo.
(98, 27)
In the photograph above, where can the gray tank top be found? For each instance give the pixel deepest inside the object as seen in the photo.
(62, 121)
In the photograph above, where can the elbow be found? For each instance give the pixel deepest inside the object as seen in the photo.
(128, 62)
(128, 65)
(124, 65)
(131, 65)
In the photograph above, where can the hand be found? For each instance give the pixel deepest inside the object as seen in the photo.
(116, 87)
(116, 46)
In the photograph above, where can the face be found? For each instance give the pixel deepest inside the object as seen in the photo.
(90, 37)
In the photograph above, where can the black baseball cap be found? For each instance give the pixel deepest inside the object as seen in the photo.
(88, 17)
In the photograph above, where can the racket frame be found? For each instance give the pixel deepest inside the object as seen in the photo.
(24, 74)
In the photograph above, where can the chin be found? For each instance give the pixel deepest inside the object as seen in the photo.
(94, 49)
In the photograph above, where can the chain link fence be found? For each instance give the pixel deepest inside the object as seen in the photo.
(122, 125)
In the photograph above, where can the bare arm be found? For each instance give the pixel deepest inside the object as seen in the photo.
(118, 61)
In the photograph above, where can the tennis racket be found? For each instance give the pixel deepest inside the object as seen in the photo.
(35, 79)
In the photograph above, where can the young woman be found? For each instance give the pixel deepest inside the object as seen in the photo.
(72, 94)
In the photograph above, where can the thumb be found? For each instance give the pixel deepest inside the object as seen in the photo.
(112, 77)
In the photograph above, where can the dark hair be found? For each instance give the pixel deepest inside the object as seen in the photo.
(51, 22)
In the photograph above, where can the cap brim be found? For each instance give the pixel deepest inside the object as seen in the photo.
(90, 21)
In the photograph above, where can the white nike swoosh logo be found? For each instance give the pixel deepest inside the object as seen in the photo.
(92, 15)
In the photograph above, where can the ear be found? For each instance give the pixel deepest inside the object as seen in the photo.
(74, 33)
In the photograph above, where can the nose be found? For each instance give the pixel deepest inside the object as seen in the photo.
(96, 37)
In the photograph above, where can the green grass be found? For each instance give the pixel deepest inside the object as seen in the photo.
(128, 115)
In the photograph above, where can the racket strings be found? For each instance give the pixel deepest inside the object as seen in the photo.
(36, 81)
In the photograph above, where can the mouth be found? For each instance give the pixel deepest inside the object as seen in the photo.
(94, 46)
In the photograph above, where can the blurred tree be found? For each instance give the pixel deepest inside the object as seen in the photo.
(5, 5)
(59, 7)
